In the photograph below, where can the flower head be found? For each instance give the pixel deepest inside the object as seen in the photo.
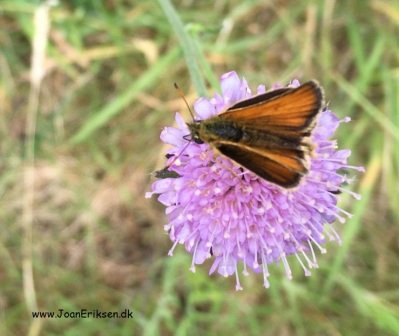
(218, 209)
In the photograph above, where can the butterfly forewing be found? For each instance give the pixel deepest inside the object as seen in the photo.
(290, 111)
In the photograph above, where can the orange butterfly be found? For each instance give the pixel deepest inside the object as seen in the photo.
(268, 134)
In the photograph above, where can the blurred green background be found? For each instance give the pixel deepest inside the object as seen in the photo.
(85, 89)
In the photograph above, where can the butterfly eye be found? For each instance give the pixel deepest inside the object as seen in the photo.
(197, 140)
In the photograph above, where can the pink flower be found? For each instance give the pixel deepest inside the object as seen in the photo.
(247, 220)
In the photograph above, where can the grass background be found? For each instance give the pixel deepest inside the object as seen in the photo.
(85, 89)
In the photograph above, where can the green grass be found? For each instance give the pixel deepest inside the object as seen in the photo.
(79, 144)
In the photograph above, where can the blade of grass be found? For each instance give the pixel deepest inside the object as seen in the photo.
(207, 68)
(352, 228)
(380, 312)
(356, 38)
(39, 41)
(191, 53)
(374, 113)
(116, 106)
(391, 89)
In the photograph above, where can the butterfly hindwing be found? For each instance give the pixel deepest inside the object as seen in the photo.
(282, 167)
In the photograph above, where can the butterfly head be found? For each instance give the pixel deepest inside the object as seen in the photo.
(195, 128)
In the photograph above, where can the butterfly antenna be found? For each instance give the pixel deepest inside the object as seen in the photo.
(181, 94)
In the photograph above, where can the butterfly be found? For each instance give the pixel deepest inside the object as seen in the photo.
(268, 134)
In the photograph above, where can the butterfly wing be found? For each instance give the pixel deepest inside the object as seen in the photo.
(276, 127)
(286, 111)
(284, 167)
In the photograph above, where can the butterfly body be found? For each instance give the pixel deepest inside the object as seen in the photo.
(269, 134)
(216, 129)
